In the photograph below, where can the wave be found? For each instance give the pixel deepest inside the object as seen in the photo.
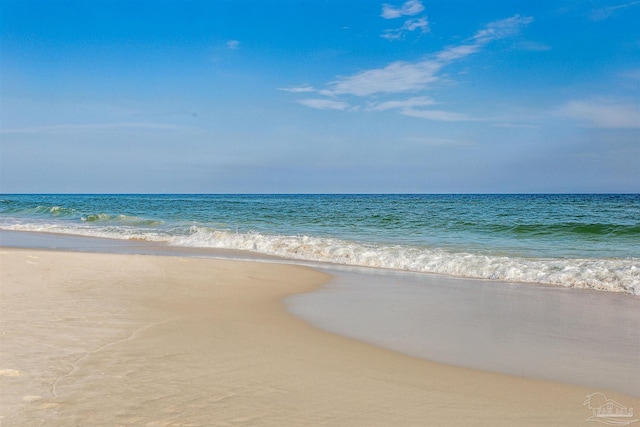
(120, 219)
(54, 211)
(618, 275)
(61, 212)
(572, 228)
(608, 274)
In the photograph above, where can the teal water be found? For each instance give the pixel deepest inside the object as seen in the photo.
(586, 241)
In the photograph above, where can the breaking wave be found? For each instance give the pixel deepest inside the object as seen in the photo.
(120, 219)
(608, 274)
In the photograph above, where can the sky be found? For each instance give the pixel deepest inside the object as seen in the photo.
(320, 96)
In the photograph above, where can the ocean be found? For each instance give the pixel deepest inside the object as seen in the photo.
(579, 241)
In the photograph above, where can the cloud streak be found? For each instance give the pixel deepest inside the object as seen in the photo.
(501, 29)
(401, 77)
(606, 12)
(324, 104)
(419, 101)
(396, 77)
(408, 8)
(410, 25)
(438, 115)
(603, 114)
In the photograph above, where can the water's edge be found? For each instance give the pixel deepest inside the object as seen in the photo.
(575, 336)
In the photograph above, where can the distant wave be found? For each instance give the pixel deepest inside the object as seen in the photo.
(615, 275)
(71, 213)
(120, 219)
(53, 211)
(617, 230)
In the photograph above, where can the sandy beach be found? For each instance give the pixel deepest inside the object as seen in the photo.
(108, 339)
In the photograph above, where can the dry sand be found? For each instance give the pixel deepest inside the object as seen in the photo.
(99, 339)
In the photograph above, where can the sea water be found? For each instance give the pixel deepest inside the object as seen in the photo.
(582, 241)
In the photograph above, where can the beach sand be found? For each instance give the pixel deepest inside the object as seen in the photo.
(106, 339)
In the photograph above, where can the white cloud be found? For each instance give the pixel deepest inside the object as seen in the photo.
(396, 77)
(409, 8)
(411, 107)
(452, 53)
(324, 104)
(604, 13)
(300, 89)
(307, 89)
(233, 44)
(439, 115)
(418, 101)
(416, 24)
(410, 25)
(405, 77)
(501, 29)
(392, 35)
(600, 113)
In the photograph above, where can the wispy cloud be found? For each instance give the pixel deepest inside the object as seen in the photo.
(324, 104)
(602, 113)
(410, 77)
(403, 76)
(307, 89)
(412, 107)
(298, 89)
(438, 115)
(418, 101)
(408, 8)
(233, 44)
(501, 29)
(396, 77)
(410, 25)
(453, 53)
(604, 13)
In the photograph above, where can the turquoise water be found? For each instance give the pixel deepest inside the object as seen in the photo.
(587, 241)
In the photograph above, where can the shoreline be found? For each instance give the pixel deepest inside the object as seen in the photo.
(120, 339)
(570, 335)
(574, 336)
(617, 275)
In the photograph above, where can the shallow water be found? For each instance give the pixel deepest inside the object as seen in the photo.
(575, 336)
(582, 241)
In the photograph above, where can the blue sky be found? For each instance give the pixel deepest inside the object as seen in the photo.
(320, 96)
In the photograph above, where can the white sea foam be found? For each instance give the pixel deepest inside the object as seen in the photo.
(616, 275)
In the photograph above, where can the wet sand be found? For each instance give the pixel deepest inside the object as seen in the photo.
(576, 336)
(107, 339)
